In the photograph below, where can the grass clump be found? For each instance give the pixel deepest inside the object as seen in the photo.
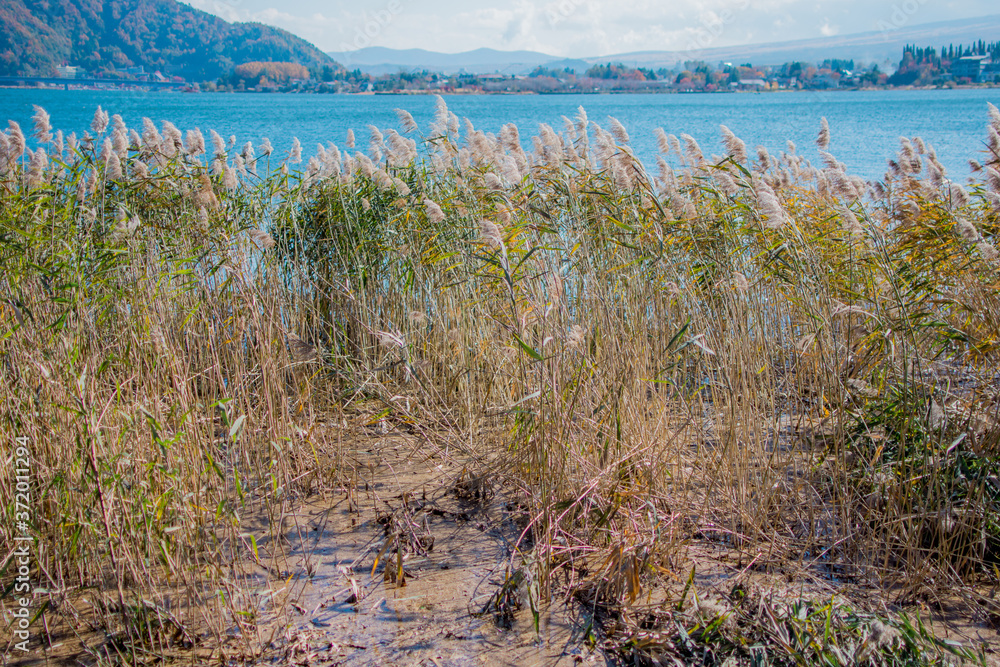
(752, 351)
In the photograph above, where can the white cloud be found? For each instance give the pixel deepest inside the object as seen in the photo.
(575, 28)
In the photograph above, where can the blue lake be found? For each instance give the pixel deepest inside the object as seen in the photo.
(865, 125)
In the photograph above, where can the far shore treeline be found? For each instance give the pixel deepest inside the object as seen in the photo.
(137, 41)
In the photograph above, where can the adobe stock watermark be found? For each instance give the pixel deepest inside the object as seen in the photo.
(221, 6)
(901, 15)
(711, 28)
(558, 12)
(23, 543)
(371, 27)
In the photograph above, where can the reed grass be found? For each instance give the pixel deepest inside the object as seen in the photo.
(754, 351)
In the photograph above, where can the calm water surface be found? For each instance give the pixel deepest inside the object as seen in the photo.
(865, 126)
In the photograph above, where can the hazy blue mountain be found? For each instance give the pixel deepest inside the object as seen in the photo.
(382, 60)
(882, 45)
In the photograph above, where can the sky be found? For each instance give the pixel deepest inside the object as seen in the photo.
(581, 28)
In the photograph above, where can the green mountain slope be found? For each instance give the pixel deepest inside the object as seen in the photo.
(106, 35)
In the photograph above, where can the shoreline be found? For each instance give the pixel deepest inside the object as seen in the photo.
(463, 92)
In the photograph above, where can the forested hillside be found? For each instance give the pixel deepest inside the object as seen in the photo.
(107, 36)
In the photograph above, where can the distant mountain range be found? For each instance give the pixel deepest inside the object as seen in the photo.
(381, 60)
(883, 46)
(103, 36)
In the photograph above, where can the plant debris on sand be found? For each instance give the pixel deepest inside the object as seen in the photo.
(743, 410)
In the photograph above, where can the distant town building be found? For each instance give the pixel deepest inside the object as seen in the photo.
(67, 71)
(970, 67)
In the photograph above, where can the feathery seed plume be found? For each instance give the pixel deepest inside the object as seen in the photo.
(265, 147)
(349, 142)
(569, 128)
(576, 336)
(173, 140)
(441, 118)
(735, 146)
(830, 162)
(100, 122)
(390, 339)
(675, 145)
(332, 159)
(119, 141)
(406, 120)
(365, 164)
(994, 115)
(850, 222)
(203, 218)
(908, 159)
(769, 205)
(966, 230)
(312, 171)
(295, 154)
(764, 159)
(489, 234)
(434, 212)
(17, 141)
(662, 142)
(988, 252)
(383, 180)
(376, 142)
(504, 213)
(726, 182)
(618, 130)
(510, 138)
(229, 180)
(113, 170)
(118, 124)
(959, 196)
(205, 196)
(401, 187)
(692, 151)
(43, 128)
(262, 239)
(107, 150)
(993, 142)
(37, 166)
(993, 179)
(823, 140)
(510, 170)
(194, 144)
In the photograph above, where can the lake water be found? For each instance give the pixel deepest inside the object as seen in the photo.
(865, 125)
